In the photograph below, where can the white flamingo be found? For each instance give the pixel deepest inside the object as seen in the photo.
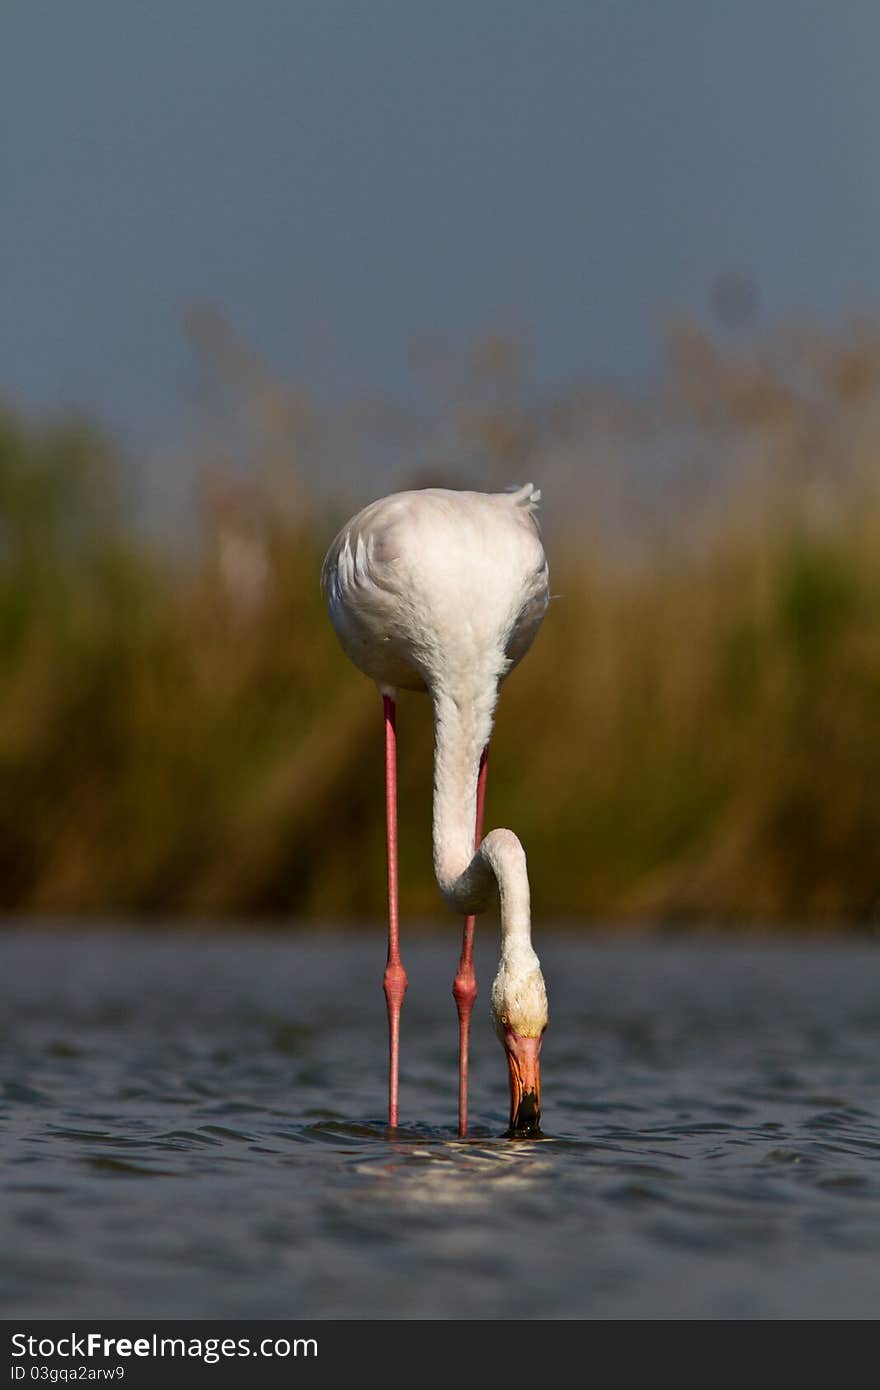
(444, 592)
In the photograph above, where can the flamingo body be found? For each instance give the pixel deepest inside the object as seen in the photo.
(438, 586)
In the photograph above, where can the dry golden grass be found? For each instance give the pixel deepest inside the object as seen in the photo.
(695, 736)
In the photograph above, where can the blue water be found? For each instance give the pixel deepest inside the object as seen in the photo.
(192, 1126)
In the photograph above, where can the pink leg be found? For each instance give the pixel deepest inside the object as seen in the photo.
(395, 976)
(464, 988)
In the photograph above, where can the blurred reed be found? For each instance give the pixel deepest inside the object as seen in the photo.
(695, 736)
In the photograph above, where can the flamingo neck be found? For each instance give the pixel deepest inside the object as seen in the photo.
(471, 881)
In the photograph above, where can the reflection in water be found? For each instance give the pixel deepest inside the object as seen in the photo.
(192, 1127)
(456, 1173)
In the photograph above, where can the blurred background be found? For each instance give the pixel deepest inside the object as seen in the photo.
(263, 262)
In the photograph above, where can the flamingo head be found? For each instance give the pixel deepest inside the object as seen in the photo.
(519, 1012)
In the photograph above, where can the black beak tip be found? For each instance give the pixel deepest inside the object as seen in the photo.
(526, 1123)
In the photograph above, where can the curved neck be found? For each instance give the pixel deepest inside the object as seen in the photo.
(470, 881)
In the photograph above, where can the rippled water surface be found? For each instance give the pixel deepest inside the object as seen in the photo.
(191, 1126)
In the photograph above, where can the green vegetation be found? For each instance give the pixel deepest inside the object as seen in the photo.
(695, 736)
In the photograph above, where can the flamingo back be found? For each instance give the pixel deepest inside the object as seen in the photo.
(438, 586)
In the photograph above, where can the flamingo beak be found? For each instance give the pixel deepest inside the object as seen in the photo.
(525, 1086)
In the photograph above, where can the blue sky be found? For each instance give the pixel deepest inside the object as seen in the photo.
(344, 178)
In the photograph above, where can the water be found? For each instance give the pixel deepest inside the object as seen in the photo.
(191, 1126)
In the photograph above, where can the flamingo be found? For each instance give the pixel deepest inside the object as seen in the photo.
(444, 591)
